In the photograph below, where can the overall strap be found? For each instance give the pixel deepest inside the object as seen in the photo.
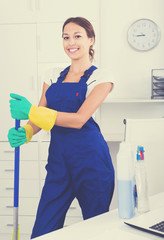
(63, 74)
(83, 79)
(87, 74)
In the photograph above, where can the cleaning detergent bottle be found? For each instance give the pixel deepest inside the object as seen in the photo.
(141, 182)
(125, 181)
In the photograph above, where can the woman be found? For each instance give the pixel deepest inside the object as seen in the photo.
(79, 163)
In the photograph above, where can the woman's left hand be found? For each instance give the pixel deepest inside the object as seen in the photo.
(19, 107)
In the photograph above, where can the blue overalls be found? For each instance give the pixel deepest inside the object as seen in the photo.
(79, 163)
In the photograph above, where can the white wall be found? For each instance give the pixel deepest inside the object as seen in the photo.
(132, 69)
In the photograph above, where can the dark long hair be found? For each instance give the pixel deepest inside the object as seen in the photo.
(84, 23)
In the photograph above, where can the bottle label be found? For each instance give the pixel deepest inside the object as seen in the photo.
(141, 153)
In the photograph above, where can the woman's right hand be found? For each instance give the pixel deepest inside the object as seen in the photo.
(17, 137)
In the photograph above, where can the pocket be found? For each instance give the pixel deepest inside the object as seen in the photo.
(67, 104)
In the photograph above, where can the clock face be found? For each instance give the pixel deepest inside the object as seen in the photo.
(143, 34)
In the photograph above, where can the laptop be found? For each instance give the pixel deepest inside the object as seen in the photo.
(152, 222)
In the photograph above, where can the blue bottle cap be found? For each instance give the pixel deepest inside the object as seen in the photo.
(140, 153)
(140, 148)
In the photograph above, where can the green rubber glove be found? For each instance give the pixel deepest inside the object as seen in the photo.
(17, 137)
(19, 107)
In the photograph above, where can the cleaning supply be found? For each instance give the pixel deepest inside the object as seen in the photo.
(15, 234)
(42, 117)
(141, 182)
(125, 181)
(21, 138)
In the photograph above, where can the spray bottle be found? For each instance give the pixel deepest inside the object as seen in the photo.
(141, 182)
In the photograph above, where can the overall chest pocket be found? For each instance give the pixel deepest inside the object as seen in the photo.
(66, 97)
(68, 104)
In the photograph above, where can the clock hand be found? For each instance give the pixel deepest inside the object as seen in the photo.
(141, 35)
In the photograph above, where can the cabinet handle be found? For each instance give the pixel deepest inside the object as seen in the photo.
(9, 188)
(10, 225)
(8, 151)
(9, 206)
(9, 170)
(72, 208)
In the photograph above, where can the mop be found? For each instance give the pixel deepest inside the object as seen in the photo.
(15, 233)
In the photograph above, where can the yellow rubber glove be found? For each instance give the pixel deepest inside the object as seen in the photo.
(29, 132)
(43, 117)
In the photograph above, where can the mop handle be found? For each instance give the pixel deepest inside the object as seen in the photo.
(16, 175)
(15, 233)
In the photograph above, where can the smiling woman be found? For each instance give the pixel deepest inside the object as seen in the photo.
(79, 162)
(84, 29)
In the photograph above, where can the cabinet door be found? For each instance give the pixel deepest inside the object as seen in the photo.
(27, 206)
(17, 11)
(50, 10)
(5, 236)
(28, 152)
(28, 170)
(28, 188)
(25, 223)
(18, 68)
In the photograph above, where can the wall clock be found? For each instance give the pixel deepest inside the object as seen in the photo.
(143, 34)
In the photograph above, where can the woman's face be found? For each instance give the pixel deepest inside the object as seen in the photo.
(76, 42)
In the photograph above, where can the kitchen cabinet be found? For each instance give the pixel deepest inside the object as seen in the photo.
(17, 11)
(18, 72)
(52, 11)
(29, 191)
